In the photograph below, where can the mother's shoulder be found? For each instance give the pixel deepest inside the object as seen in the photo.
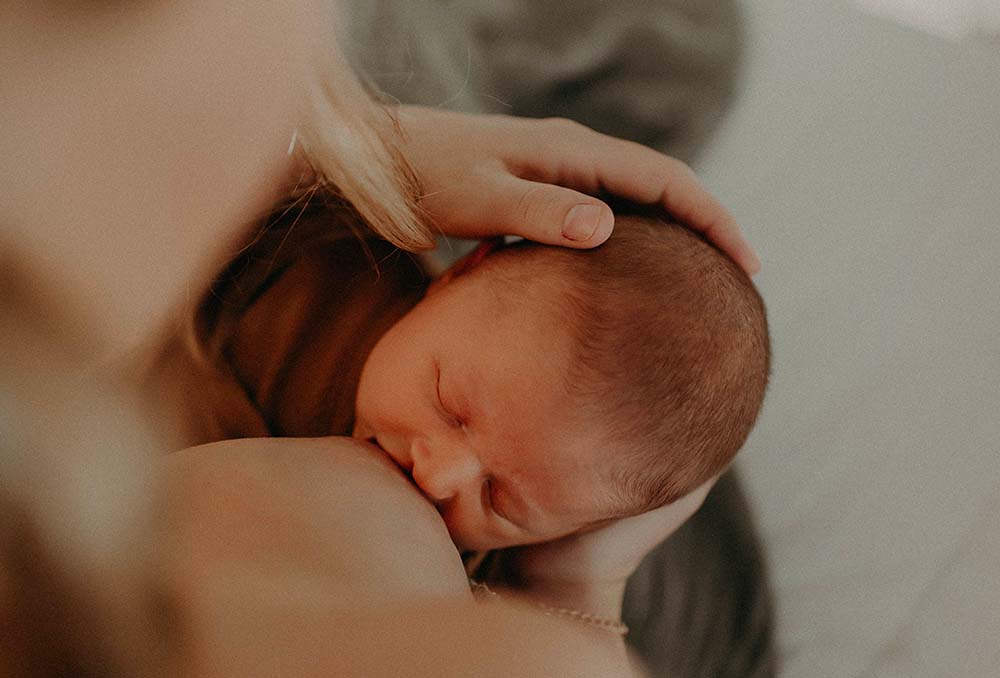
(332, 511)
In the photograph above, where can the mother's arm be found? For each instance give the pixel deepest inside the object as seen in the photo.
(316, 556)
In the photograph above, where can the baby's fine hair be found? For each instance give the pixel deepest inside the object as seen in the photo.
(671, 352)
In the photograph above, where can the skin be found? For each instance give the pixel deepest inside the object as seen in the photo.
(126, 173)
(287, 503)
(138, 139)
(162, 135)
(264, 586)
(493, 174)
(440, 392)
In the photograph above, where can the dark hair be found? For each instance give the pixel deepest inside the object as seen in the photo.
(671, 352)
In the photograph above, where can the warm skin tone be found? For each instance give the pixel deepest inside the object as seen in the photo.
(126, 174)
(253, 545)
(161, 135)
(139, 140)
(467, 395)
(430, 436)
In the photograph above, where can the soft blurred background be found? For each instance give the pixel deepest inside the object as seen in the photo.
(862, 155)
(955, 19)
(858, 144)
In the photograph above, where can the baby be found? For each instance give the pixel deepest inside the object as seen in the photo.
(544, 390)
(528, 393)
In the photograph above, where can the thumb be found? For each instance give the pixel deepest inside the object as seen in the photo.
(552, 214)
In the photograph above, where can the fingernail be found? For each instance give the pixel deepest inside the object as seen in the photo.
(583, 220)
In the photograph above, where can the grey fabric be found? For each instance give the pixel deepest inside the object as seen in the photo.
(418, 52)
(660, 72)
(700, 605)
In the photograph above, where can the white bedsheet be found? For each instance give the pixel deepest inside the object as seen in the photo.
(863, 159)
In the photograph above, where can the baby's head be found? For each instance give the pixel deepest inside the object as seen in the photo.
(547, 390)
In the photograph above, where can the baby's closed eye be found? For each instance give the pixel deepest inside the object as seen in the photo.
(449, 414)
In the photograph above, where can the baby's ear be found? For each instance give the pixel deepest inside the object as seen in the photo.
(466, 263)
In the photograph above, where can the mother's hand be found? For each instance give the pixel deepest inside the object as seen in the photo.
(487, 175)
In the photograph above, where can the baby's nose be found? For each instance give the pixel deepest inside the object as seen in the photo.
(442, 471)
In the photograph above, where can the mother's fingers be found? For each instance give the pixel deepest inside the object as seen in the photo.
(551, 214)
(594, 162)
(496, 202)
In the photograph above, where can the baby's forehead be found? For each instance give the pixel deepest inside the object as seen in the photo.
(530, 274)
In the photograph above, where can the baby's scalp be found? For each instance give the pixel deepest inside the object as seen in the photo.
(670, 348)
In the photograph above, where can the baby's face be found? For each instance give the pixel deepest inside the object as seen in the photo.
(466, 394)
